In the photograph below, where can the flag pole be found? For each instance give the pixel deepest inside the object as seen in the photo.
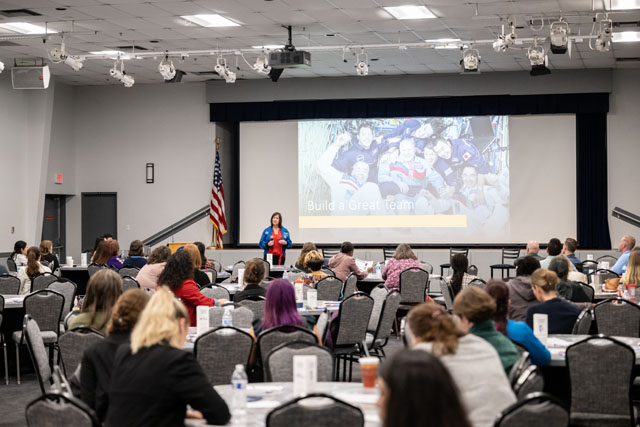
(214, 240)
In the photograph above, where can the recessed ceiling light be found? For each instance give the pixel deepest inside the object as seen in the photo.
(410, 12)
(622, 4)
(269, 46)
(627, 36)
(213, 20)
(26, 28)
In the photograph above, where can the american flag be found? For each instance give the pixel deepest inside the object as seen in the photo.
(216, 204)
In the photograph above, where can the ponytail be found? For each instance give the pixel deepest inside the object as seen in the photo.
(33, 262)
(428, 322)
(158, 322)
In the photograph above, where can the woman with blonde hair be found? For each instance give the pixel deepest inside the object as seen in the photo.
(97, 360)
(473, 363)
(562, 314)
(632, 275)
(403, 258)
(306, 248)
(32, 269)
(103, 290)
(199, 276)
(46, 250)
(154, 379)
(313, 263)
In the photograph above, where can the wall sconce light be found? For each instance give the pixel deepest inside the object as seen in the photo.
(150, 173)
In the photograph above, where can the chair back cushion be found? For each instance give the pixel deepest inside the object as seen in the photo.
(45, 307)
(320, 411)
(257, 307)
(413, 285)
(618, 318)
(353, 319)
(9, 285)
(220, 350)
(72, 345)
(329, 289)
(271, 338)
(241, 317)
(279, 362)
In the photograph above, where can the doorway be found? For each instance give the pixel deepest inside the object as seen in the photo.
(99, 216)
(54, 223)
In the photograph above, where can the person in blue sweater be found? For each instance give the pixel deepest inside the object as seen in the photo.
(518, 332)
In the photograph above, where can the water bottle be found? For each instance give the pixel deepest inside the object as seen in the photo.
(378, 270)
(285, 275)
(227, 319)
(239, 392)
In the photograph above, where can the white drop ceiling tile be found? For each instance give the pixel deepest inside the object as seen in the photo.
(329, 15)
(453, 11)
(385, 26)
(161, 33)
(265, 6)
(309, 4)
(133, 23)
(255, 18)
(103, 12)
(357, 4)
(69, 14)
(174, 22)
(360, 14)
(290, 17)
(98, 25)
(142, 10)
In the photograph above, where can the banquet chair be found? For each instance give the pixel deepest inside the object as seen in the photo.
(519, 367)
(129, 271)
(35, 341)
(42, 281)
(214, 275)
(617, 317)
(279, 362)
(68, 290)
(328, 271)
(413, 285)
(129, 282)
(472, 270)
(536, 409)
(447, 293)
(9, 285)
(529, 381)
(59, 409)
(604, 275)
(607, 258)
(452, 252)
(379, 294)
(321, 324)
(234, 272)
(2, 341)
(45, 309)
(388, 253)
(350, 330)
(329, 288)
(11, 265)
(219, 351)
(427, 267)
(256, 305)
(72, 345)
(378, 339)
(509, 255)
(215, 292)
(588, 266)
(241, 317)
(601, 395)
(267, 267)
(350, 286)
(328, 253)
(583, 322)
(588, 291)
(271, 338)
(93, 268)
(317, 410)
(479, 283)
(217, 266)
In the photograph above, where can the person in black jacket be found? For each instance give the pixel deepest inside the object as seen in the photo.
(200, 277)
(254, 274)
(97, 360)
(46, 250)
(562, 314)
(154, 379)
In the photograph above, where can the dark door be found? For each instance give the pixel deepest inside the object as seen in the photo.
(99, 216)
(53, 223)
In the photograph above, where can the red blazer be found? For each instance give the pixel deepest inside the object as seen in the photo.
(191, 298)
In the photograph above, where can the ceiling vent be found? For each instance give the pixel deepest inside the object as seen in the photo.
(14, 13)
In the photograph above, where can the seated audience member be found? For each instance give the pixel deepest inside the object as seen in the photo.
(178, 276)
(313, 262)
(520, 293)
(460, 278)
(306, 248)
(515, 331)
(476, 308)
(632, 275)
(95, 249)
(565, 288)
(103, 289)
(46, 250)
(154, 379)
(136, 255)
(562, 314)
(97, 360)
(532, 250)
(114, 260)
(199, 276)
(102, 253)
(625, 246)
(403, 258)
(554, 248)
(33, 268)
(19, 254)
(254, 274)
(569, 249)
(148, 275)
(205, 262)
(280, 309)
(343, 263)
(472, 362)
(417, 390)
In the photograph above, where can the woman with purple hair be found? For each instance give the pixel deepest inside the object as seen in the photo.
(280, 309)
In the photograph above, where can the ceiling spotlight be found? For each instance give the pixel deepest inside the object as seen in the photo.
(1, 66)
(538, 61)
(505, 40)
(470, 60)
(362, 68)
(120, 74)
(60, 55)
(559, 36)
(224, 72)
(262, 65)
(166, 69)
(605, 34)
